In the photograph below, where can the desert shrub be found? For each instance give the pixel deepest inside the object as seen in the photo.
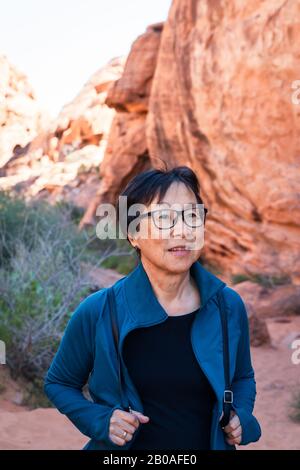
(38, 292)
(26, 223)
(42, 280)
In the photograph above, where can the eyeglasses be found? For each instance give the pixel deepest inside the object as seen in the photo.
(167, 218)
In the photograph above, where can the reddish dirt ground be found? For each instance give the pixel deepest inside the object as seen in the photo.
(277, 380)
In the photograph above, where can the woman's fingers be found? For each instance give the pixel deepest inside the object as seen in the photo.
(235, 433)
(122, 421)
(233, 430)
(117, 440)
(123, 425)
(142, 418)
(233, 423)
(234, 441)
(235, 436)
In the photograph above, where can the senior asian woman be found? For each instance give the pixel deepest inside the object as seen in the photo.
(170, 337)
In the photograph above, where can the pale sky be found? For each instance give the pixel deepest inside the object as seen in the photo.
(59, 44)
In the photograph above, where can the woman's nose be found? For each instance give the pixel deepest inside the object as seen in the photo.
(180, 227)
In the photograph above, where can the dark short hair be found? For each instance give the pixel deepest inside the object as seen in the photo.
(144, 187)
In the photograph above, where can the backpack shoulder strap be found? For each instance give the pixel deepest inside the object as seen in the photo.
(115, 330)
(228, 394)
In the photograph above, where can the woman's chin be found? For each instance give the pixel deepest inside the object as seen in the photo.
(180, 262)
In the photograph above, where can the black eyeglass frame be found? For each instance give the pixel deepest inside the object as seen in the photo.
(147, 214)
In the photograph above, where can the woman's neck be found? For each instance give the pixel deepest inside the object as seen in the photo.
(176, 292)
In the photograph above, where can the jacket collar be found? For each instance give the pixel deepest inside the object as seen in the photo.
(143, 303)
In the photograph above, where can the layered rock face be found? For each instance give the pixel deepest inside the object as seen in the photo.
(21, 118)
(127, 153)
(63, 161)
(221, 102)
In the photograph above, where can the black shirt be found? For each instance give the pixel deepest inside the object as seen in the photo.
(175, 392)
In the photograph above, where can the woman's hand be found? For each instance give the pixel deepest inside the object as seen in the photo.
(121, 421)
(233, 429)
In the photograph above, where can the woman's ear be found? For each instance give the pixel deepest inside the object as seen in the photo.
(132, 242)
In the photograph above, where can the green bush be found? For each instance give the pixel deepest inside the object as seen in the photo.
(25, 223)
(42, 280)
(38, 291)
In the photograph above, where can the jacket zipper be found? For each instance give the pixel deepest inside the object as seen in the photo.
(121, 355)
(191, 336)
(135, 390)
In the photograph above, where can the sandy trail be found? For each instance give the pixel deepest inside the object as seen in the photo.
(276, 377)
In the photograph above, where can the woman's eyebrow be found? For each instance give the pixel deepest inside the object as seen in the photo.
(193, 204)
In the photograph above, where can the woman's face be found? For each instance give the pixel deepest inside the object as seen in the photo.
(155, 244)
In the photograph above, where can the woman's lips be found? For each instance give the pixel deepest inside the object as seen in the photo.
(179, 251)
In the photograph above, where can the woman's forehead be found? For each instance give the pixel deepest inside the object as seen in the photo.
(177, 192)
(173, 203)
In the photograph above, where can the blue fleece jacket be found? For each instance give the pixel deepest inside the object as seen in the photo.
(86, 354)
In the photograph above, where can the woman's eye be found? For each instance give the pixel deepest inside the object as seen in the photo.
(164, 215)
(191, 214)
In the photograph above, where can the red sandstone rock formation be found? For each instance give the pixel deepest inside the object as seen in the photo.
(63, 161)
(211, 89)
(126, 153)
(21, 118)
(221, 102)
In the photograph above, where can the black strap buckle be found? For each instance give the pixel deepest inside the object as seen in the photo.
(228, 396)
